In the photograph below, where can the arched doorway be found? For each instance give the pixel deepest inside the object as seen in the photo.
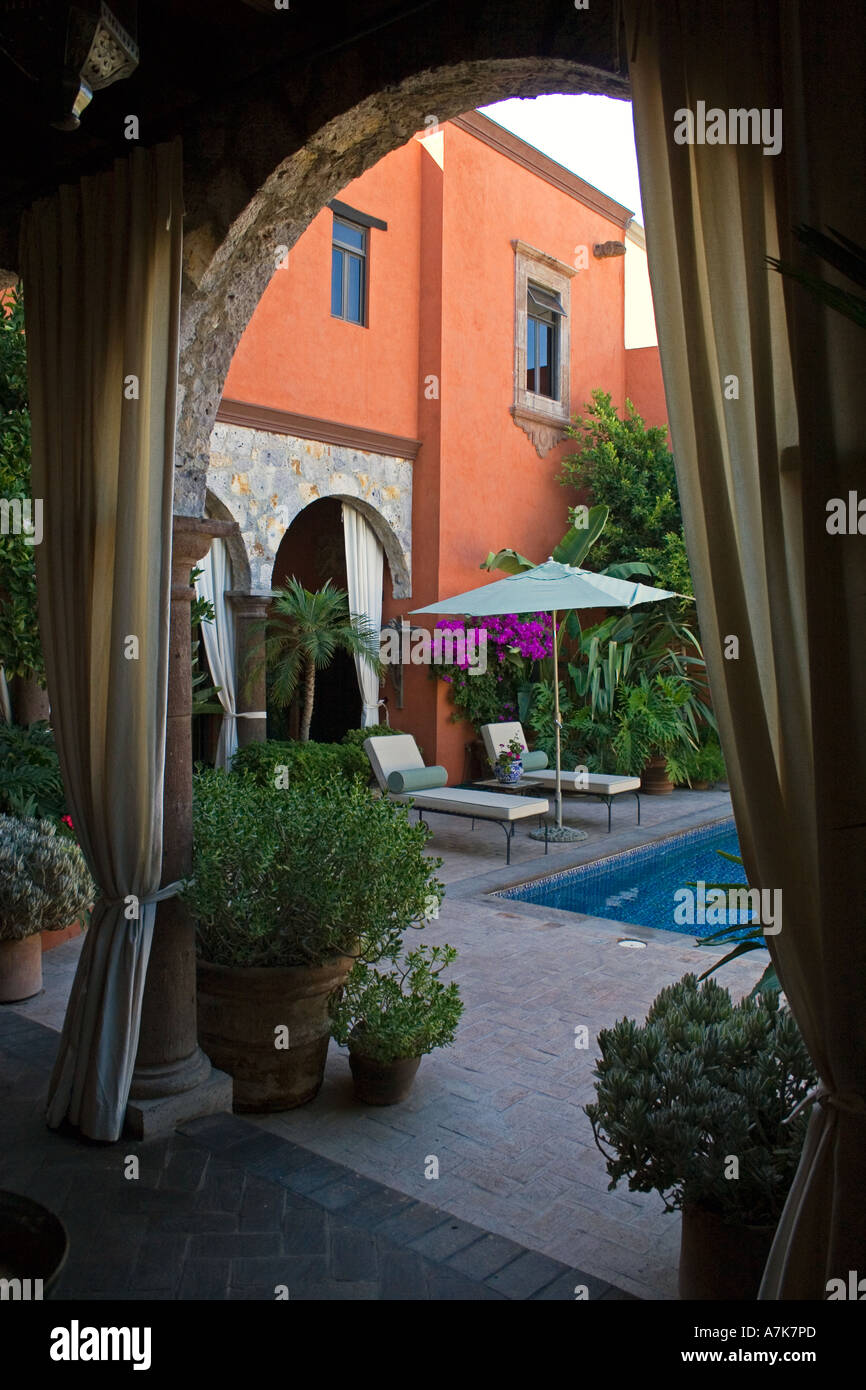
(313, 550)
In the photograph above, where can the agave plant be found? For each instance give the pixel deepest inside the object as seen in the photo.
(841, 253)
(743, 939)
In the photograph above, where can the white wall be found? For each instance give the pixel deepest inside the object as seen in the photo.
(640, 324)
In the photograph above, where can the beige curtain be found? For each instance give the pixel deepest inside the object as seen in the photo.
(101, 269)
(766, 393)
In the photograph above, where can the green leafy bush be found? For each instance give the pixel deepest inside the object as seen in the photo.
(705, 763)
(650, 721)
(20, 648)
(404, 1012)
(627, 467)
(303, 762)
(30, 781)
(45, 884)
(702, 1080)
(357, 737)
(295, 876)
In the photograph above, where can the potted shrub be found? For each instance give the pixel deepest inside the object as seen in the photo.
(694, 1105)
(290, 886)
(653, 733)
(389, 1020)
(44, 885)
(508, 763)
(705, 765)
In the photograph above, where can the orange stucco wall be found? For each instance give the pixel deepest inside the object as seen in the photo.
(441, 305)
(644, 384)
(295, 356)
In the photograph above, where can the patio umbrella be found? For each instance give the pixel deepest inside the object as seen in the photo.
(549, 588)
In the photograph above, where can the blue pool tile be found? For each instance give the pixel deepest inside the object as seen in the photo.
(639, 885)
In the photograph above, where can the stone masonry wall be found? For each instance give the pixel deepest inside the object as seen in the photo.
(266, 479)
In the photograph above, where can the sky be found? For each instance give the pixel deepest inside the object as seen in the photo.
(592, 136)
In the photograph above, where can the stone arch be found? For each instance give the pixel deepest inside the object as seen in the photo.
(264, 480)
(217, 509)
(225, 279)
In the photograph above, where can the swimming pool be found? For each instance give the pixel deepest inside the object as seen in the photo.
(639, 885)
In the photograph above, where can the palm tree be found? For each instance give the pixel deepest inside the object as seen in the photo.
(304, 632)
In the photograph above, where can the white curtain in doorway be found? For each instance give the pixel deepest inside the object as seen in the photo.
(218, 637)
(101, 265)
(364, 565)
(766, 393)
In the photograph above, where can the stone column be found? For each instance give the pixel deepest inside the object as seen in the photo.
(173, 1079)
(249, 610)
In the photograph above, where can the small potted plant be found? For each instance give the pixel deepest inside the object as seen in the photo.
(508, 765)
(390, 1019)
(695, 1105)
(705, 765)
(44, 886)
(290, 886)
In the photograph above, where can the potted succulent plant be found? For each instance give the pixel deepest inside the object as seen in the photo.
(290, 887)
(695, 1105)
(390, 1019)
(508, 764)
(44, 886)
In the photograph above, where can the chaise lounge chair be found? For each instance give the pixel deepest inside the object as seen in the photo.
(401, 774)
(604, 786)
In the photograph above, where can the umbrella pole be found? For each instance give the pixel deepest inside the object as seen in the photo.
(558, 833)
(556, 721)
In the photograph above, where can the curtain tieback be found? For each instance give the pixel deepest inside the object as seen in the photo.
(249, 714)
(170, 890)
(843, 1100)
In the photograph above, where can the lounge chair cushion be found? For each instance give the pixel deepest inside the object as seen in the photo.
(417, 779)
(399, 753)
(392, 753)
(534, 761)
(590, 783)
(481, 805)
(498, 736)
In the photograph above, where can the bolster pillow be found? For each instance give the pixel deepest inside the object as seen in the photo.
(534, 762)
(417, 779)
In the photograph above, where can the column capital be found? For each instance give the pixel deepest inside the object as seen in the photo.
(250, 605)
(191, 539)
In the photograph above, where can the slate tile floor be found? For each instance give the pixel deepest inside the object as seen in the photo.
(223, 1210)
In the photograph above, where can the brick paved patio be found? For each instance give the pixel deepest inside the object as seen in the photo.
(501, 1111)
(224, 1211)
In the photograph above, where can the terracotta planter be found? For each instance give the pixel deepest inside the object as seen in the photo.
(721, 1262)
(33, 1242)
(20, 969)
(382, 1083)
(655, 780)
(239, 1010)
(701, 786)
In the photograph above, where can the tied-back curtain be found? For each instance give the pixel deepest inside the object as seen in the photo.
(219, 644)
(765, 392)
(364, 562)
(101, 265)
